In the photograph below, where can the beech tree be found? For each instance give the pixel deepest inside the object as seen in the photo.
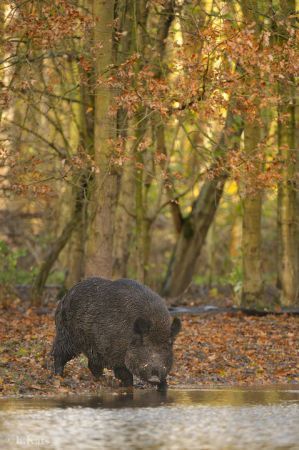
(105, 184)
(130, 128)
(288, 193)
(252, 289)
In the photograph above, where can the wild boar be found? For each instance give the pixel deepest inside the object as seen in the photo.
(120, 325)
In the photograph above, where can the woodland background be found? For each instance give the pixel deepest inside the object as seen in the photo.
(150, 139)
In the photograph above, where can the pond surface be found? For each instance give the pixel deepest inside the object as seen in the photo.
(180, 419)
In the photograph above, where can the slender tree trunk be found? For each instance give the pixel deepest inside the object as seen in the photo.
(105, 190)
(124, 223)
(2, 53)
(210, 249)
(140, 209)
(124, 218)
(50, 259)
(252, 288)
(75, 268)
(235, 236)
(251, 230)
(144, 218)
(251, 245)
(76, 260)
(85, 123)
(288, 212)
(133, 21)
(288, 208)
(141, 39)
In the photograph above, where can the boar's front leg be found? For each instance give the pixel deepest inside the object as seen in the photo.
(124, 376)
(162, 386)
(95, 364)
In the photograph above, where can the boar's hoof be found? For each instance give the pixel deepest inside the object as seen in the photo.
(96, 369)
(124, 376)
(58, 371)
(162, 386)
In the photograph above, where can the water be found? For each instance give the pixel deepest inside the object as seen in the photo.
(180, 419)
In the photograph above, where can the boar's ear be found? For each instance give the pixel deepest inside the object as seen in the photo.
(142, 326)
(175, 327)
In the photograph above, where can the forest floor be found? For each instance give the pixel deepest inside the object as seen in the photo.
(212, 349)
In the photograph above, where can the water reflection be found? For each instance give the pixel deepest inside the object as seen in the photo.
(178, 419)
(151, 398)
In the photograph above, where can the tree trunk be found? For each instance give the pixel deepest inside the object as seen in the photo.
(252, 287)
(287, 203)
(251, 230)
(84, 140)
(196, 225)
(192, 237)
(140, 212)
(124, 222)
(50, 259)
(2, 53)
(103, 201)
(144, 218)
(288, 208)
(76, 260)
(124, 218)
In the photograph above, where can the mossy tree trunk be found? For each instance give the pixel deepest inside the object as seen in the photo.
(124, 223)
(82, 131)
(252, 296)
(288, 213)
(104, 194)
(125, 212)
(2, 53)
(252, 287)
(288, 208)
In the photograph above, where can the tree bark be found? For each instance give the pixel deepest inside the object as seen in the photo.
(124, 223)
(252, 289)
(76, 260)
(103, 201)
(124, 218)
(2, 54)
(84, 140)
(288, 207)
(288, 213)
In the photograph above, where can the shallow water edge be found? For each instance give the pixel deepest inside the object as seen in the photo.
(179, 419)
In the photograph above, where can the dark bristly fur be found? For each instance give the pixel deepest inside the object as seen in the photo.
(120, 325)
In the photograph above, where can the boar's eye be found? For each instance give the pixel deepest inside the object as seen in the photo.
(175, 327)
(142, 326)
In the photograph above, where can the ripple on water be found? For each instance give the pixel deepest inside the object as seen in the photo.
(176, 423)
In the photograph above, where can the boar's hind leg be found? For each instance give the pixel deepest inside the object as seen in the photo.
(124, 376)
(95, 365)
(62, 353)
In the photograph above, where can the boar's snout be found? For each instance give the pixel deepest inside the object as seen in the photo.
(148, 367)
(154, 372)
(157, 375)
